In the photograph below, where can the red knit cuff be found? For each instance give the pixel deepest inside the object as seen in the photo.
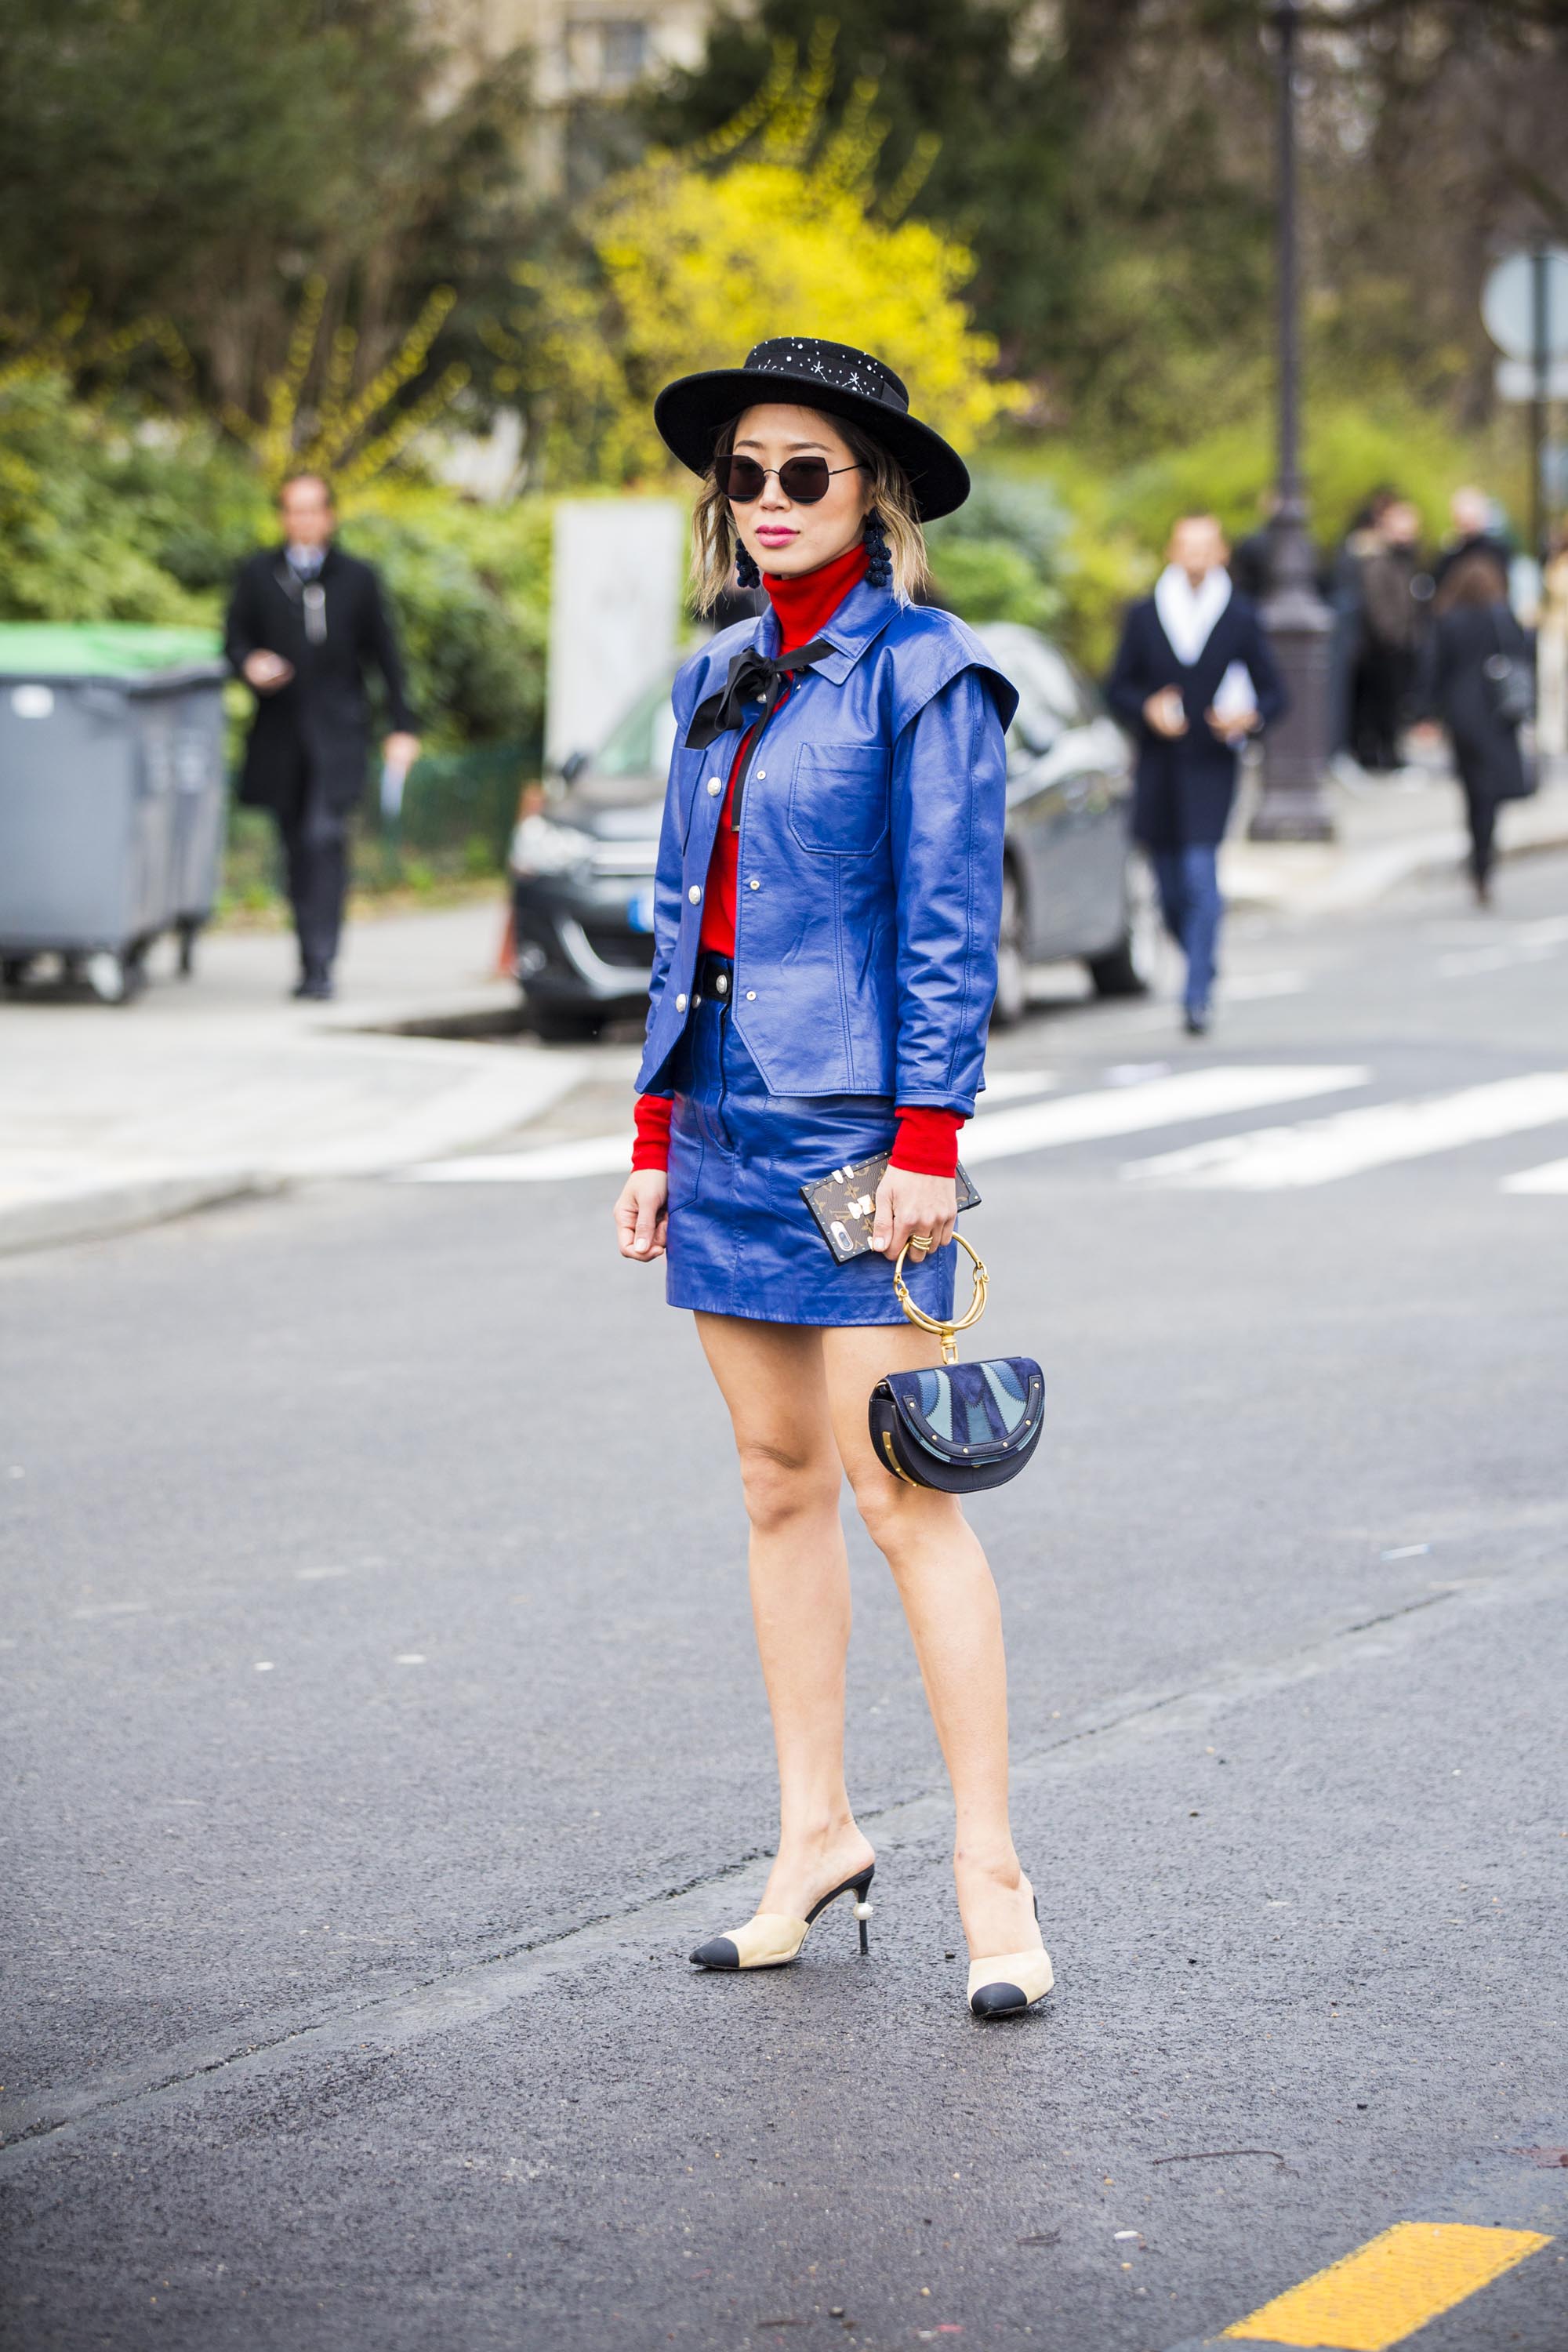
(927, 1140)
(651, 1148)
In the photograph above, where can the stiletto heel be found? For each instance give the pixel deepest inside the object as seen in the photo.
(772, 1938)
(1012, 1982)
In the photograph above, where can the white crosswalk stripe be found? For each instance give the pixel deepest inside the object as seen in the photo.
(547, 1163)
(1319, 1152)
(1216, 1093)
(1119, 1108)
(1552, 1178)
(1006, 1086)
(1271, 1159)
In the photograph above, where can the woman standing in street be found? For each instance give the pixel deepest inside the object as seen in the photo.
(826, 910)
(1476, 678)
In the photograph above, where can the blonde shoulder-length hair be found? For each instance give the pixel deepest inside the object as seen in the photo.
(715, 542)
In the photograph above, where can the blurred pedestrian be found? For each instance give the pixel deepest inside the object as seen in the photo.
(1475, 531)
(1343, 588)
(1194, 677)
(306, 623)
(1476, 678)
(1391, 630)
(1251, 560)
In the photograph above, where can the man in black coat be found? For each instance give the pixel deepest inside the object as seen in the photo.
(1474, 533)
(305, 624)
(1194, 677)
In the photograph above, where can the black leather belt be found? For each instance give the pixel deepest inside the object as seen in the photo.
(715, 975)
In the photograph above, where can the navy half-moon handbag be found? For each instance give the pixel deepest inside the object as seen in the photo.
(958, 1427)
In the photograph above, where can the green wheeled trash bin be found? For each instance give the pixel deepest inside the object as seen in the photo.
(112, 795)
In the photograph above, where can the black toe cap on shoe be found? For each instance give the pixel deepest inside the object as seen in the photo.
(997, 2000)
(718, 1952)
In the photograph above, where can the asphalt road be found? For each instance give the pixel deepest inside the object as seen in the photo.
(382, 1728)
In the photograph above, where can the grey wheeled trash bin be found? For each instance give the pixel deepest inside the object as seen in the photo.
(111, 794)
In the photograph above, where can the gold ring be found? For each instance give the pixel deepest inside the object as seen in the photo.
(920, 1241)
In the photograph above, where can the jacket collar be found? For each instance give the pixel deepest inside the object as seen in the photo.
(854, 627)
(330, 560)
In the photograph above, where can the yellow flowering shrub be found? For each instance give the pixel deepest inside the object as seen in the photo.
(693, 268)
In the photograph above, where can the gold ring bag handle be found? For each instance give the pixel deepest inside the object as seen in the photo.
(946, 1332)
(966, 1427)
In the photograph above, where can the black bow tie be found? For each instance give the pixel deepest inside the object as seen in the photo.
(754, 676)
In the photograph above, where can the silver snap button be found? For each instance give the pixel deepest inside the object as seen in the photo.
(694, 894)
(751, 995)
(714, 786)
(762, 775)
(680, 1004)
(721, 985)
(754, 884)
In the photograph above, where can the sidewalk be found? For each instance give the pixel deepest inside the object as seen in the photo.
(207, 1090)
(112, 1116)
(1387, 832)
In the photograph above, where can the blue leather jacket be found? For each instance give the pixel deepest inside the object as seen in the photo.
(870, 860)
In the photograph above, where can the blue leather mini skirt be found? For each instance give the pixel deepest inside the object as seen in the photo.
(740, 1239)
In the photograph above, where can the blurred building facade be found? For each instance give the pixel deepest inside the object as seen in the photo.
(584, 53)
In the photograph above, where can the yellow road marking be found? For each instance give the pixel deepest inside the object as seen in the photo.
(1389, 2288)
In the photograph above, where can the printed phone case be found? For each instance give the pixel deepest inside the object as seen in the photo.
(843, 1201)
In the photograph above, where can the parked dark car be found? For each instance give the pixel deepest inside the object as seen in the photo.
(582, 866)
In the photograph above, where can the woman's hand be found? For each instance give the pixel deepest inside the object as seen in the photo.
(642, 1213)
(908, 1205)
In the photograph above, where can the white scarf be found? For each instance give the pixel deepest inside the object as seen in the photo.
(1188, 614)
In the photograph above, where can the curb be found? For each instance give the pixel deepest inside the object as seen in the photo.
(122, 1208)
(485, 1096)
(1372, 874)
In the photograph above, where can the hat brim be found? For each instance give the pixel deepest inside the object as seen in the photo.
(691, 411)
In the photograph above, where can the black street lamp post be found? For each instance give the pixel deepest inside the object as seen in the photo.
(1293, 806)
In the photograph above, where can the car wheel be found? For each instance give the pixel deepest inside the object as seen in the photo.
(562, 1025)
(1128, 969)
(1011, 963)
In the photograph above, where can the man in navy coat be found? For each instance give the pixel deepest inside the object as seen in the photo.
(305, 625)
(1194, 677)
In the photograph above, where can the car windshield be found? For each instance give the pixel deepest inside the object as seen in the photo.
(636, 750)
(1052, 695)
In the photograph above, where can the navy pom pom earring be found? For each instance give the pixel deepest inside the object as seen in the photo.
(879, 568)
(746, 571)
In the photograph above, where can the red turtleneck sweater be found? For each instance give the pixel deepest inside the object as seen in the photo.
(927, 1142)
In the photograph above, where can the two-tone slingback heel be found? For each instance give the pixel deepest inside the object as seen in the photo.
(1010, 1983)
(772, 1938)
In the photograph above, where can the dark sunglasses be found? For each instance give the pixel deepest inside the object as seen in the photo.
(803, 480)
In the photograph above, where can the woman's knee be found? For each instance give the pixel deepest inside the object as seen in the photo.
(784, 1484)
(897, 1517)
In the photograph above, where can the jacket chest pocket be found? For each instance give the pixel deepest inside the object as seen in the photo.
(838, 799)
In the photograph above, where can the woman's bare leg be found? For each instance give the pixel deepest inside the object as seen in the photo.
(951, 1603)
(772, 1377)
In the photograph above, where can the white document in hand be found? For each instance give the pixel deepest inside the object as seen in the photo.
(393, 779)
(1235, 698)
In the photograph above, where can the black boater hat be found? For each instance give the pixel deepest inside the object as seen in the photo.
(690, 412)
